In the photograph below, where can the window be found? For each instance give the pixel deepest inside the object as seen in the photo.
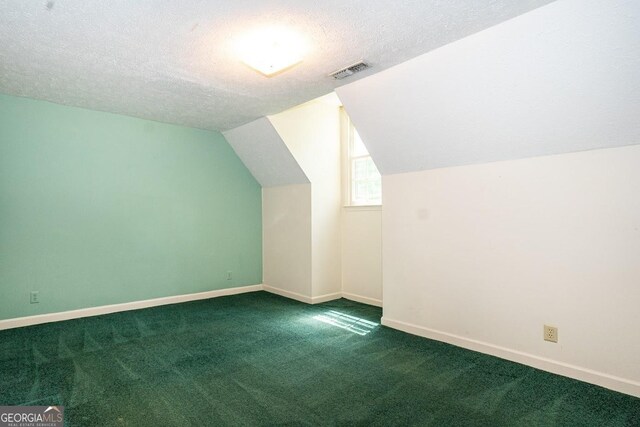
(365, 182)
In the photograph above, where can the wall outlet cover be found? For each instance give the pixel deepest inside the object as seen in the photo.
(550, 333)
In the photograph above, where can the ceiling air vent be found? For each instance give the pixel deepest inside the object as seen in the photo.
(351, 69)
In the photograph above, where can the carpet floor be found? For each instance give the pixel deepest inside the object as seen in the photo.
(260, 359)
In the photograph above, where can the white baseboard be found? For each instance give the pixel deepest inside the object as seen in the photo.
(288, 294)
(113, 308)
(364, 300)
(135, 305)
(321, 298)
(302, 298)
(327, 297)
(622, 385)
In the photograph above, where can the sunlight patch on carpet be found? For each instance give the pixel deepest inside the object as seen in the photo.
(345, 321)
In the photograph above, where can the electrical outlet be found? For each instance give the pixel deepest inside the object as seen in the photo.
(229, 276)
(550, 333)
(35, 297)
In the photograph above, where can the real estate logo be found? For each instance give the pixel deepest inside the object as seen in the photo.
(31, 416)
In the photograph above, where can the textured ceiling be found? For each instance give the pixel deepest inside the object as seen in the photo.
(173, 62)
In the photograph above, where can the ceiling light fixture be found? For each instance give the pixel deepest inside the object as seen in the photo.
(272, 50)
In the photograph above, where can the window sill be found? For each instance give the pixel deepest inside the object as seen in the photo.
(363, 208)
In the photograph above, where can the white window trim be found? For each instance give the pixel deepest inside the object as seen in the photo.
(363, 208)
(346, 134)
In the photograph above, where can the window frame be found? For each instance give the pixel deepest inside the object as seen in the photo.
(347, 136)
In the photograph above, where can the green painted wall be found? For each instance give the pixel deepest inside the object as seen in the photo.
(97, 208)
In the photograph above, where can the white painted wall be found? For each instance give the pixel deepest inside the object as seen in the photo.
(311, 131)
(489, 253)
(483, 255)
(362, 254)
(286, 239)
(561, 78)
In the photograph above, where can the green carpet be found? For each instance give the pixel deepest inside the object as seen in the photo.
(260, 359)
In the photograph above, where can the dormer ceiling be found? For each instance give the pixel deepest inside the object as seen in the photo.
(560, 79)
(174, 61)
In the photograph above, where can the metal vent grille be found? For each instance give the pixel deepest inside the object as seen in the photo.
(350, 70)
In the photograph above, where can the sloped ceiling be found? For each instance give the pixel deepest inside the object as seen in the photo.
(265, 154)
(173, 61)
(562, 78)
